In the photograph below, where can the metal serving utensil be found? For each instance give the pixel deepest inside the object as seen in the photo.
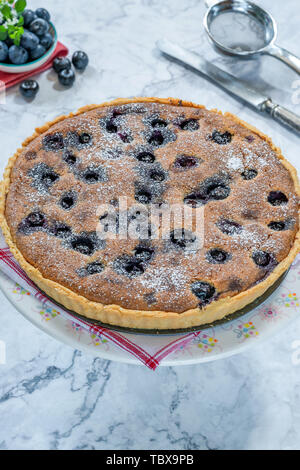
(231, 84)
(241, 28)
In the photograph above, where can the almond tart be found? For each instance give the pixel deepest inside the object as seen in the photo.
(151, 152)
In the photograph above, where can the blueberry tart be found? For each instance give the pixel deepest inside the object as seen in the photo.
(83, 206)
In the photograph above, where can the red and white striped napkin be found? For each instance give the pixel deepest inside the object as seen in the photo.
(150, 350)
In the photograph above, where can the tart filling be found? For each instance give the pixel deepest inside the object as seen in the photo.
(84, 203)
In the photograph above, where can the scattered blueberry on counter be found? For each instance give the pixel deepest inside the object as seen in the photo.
(66, 77)
(63, 67)
(80, 60)
(61, 63)
(29, 88)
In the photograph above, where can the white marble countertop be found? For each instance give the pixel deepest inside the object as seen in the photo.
(52, 397)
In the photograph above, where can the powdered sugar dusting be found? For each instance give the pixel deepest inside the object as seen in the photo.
(118, 136)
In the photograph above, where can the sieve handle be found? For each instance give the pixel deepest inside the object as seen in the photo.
(285, 56)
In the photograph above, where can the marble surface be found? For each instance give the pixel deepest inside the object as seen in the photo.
(52, 397)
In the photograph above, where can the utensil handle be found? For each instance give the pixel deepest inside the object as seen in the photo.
(285, 56)
(282, 115)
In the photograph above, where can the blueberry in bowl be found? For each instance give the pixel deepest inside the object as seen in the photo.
(3, 51)
(34, 45)
(47, 40)
(43, 13)
(39, 27)
(29, 16)
(38, 52)
(18, 55)
(29, 40)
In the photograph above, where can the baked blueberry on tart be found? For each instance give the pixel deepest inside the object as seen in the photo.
(83, 206)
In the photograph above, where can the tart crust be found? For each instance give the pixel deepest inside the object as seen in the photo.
(142, 319)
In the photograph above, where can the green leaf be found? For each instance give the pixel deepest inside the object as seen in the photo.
(21, 21)
(20, 6)
(3, 33)
(15, 34)
(6, 11)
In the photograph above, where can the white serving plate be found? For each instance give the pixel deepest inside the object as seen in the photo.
(211, 344)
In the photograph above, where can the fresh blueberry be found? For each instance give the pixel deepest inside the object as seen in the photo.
(47, 41)
(18, 55)
(9, 42)
(43, 13)
(80, 60)
(29, 88)
(61, 63)
(37, 52)
(39, 27)
(3, 51)
(66, 77)
(29, 40)
(28, 16)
